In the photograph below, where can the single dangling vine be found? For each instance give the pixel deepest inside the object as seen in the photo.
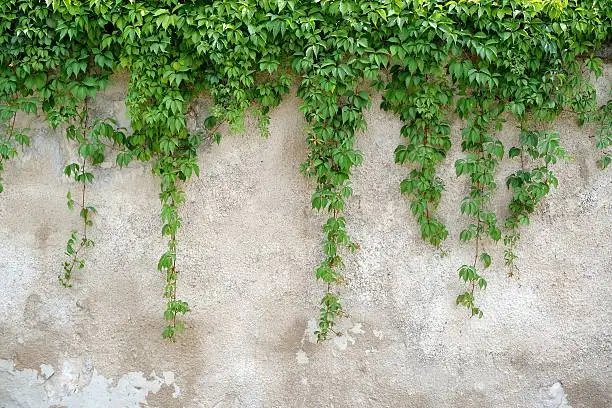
(529, 186)
(92, 140)
(7, 150)
(332, 154)
(419, 92)
(162, 134)
(603, 138)
(78, 241)
(483, 155)
(171, 198)
(12, 137)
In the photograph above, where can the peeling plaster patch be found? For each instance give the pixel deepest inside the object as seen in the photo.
(46, 371)
(26, 388)
(378, 334)
(554, 397)
(73, 376)
(309, 335)
(169, 380)
(341, 342)
(131, 390)
(356, 329)
(301, 357)
(22, 389)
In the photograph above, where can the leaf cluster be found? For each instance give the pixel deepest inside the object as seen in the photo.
(431, 60)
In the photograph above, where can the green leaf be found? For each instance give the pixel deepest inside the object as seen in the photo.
(495, 233)
(486, 259)
(514, 152)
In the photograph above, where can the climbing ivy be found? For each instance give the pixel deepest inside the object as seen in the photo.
(529, 186)
(483, 61)
(603, 139)
(483, 153)
(12, 137)
(420, 93)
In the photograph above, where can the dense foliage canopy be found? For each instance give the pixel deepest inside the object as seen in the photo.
(484, 60)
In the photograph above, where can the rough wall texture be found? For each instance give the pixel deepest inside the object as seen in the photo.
(247, 252)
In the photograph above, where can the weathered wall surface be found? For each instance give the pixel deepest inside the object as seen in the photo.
(247, 252)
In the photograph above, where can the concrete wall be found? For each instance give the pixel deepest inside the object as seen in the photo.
(247, 252)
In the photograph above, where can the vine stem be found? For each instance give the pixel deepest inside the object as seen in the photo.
(477, 248)
(81, 244)
(425, 142)
(174, 278)
(10, 131)
(84, 121)
(217, 126)
(479, 187)
(84, 187)
(12, 128)
(84, 213)
(335, 215)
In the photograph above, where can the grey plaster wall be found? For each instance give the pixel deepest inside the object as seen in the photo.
(247, 252)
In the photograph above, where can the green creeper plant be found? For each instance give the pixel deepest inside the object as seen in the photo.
(78, 242)
(331, 69)
(487, 61)
(419, 92)
(483, 153)
(93, 140)
(331, 157)
(603, 138)
(529, 186)
(12, 137)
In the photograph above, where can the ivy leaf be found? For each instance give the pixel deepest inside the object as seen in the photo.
(495, 233)
(486, 259)
(604, 161)
(514, 152)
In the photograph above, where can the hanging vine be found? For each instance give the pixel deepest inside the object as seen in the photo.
(79, 173)
(12, 137)
(487, 61)
(332, 155)
(529, 186)
(603, 139)
(93, 141)
(419, 92)
(483, 155)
